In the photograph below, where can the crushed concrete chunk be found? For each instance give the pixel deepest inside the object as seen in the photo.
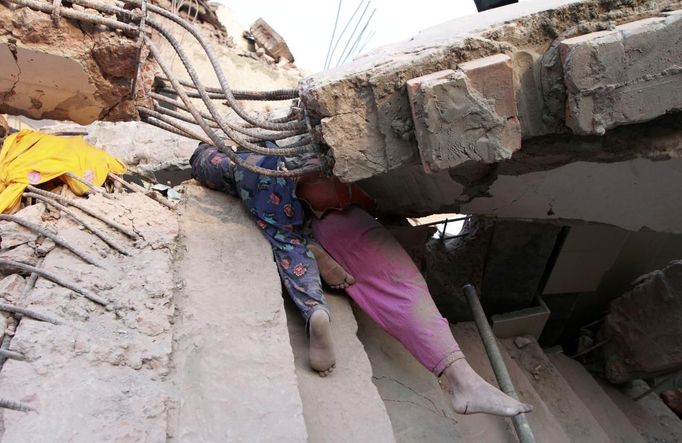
(629, 75)
(11, 287)
(12, 234)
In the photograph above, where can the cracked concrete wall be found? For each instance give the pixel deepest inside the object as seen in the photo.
(72, 72)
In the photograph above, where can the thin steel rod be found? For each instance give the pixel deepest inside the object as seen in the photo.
(99, 233)
(29, 313)
(15, 405)
(331, 40)
(352, 34)
(336, 44)
(96, 189)
(12, 355)
(58, 239)
(76, 204)
(360, 35)
(53, 278)
(139, 189)
(523, 431)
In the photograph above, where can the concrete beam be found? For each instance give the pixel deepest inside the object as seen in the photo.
(364, 106)
(628, 75)
(464, 115)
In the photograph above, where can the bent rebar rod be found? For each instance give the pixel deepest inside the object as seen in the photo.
(76, 204)
(58, 239)
(521, 426)
(53, 278)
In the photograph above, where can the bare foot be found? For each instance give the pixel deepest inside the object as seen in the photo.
(473, 395)
(321, 353)
(332, 273)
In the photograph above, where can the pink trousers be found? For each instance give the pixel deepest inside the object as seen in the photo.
(388, 286)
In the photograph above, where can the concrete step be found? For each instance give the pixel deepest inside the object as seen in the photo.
(569, 410)
(418, 410)
(617, 425)
(344, 406)
(649, 415)
(544, 424)
(233, 363)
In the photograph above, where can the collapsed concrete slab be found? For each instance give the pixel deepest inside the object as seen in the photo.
(628, 75)
(411, 123)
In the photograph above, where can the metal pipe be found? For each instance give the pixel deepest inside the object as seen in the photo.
(521, 426)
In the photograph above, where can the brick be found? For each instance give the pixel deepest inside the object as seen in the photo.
(628, 75)
(468, 114)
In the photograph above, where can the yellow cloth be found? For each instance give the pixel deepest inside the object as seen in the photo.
(31, 157)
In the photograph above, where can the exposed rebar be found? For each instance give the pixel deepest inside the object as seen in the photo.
(53, 278)
(15, 405)
(99, 233)
(29, 312)
(12, 355)
(61, 241)
(77, 204)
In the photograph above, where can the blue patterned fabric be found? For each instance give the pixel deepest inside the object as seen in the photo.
(277, 212)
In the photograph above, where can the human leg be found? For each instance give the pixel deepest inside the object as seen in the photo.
(392, 291)
(331, 272)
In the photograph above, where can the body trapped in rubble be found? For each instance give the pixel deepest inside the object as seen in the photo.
(354, 253)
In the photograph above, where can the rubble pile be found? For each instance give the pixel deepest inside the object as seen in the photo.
(99, 357)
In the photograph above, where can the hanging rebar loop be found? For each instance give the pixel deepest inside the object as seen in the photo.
(217, 141)
(58, 239)
(87, 225)
(253, 128)
(15, 405)
(11, 264)
(521, 426)
(29, 313)
(77, 204)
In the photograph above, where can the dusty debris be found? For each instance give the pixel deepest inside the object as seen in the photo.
(644, 327)
(271, 42)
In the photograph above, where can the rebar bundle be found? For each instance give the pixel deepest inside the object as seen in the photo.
(243, 129)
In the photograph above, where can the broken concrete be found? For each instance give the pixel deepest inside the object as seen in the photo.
(468, 114)
(643, 327)
(107, 366)
(144, 147)
(70, 72)
(628, 75)
(273, 43)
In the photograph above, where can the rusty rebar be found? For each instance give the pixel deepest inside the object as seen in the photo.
(76, 204)
(99, 233)
(96, 189)
(12, 355)
(214, 138)
(139, 189)
(29, 312)
(55, 279)
(15, 405)
(61, 241)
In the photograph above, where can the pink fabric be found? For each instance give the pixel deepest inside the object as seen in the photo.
(388, 286)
